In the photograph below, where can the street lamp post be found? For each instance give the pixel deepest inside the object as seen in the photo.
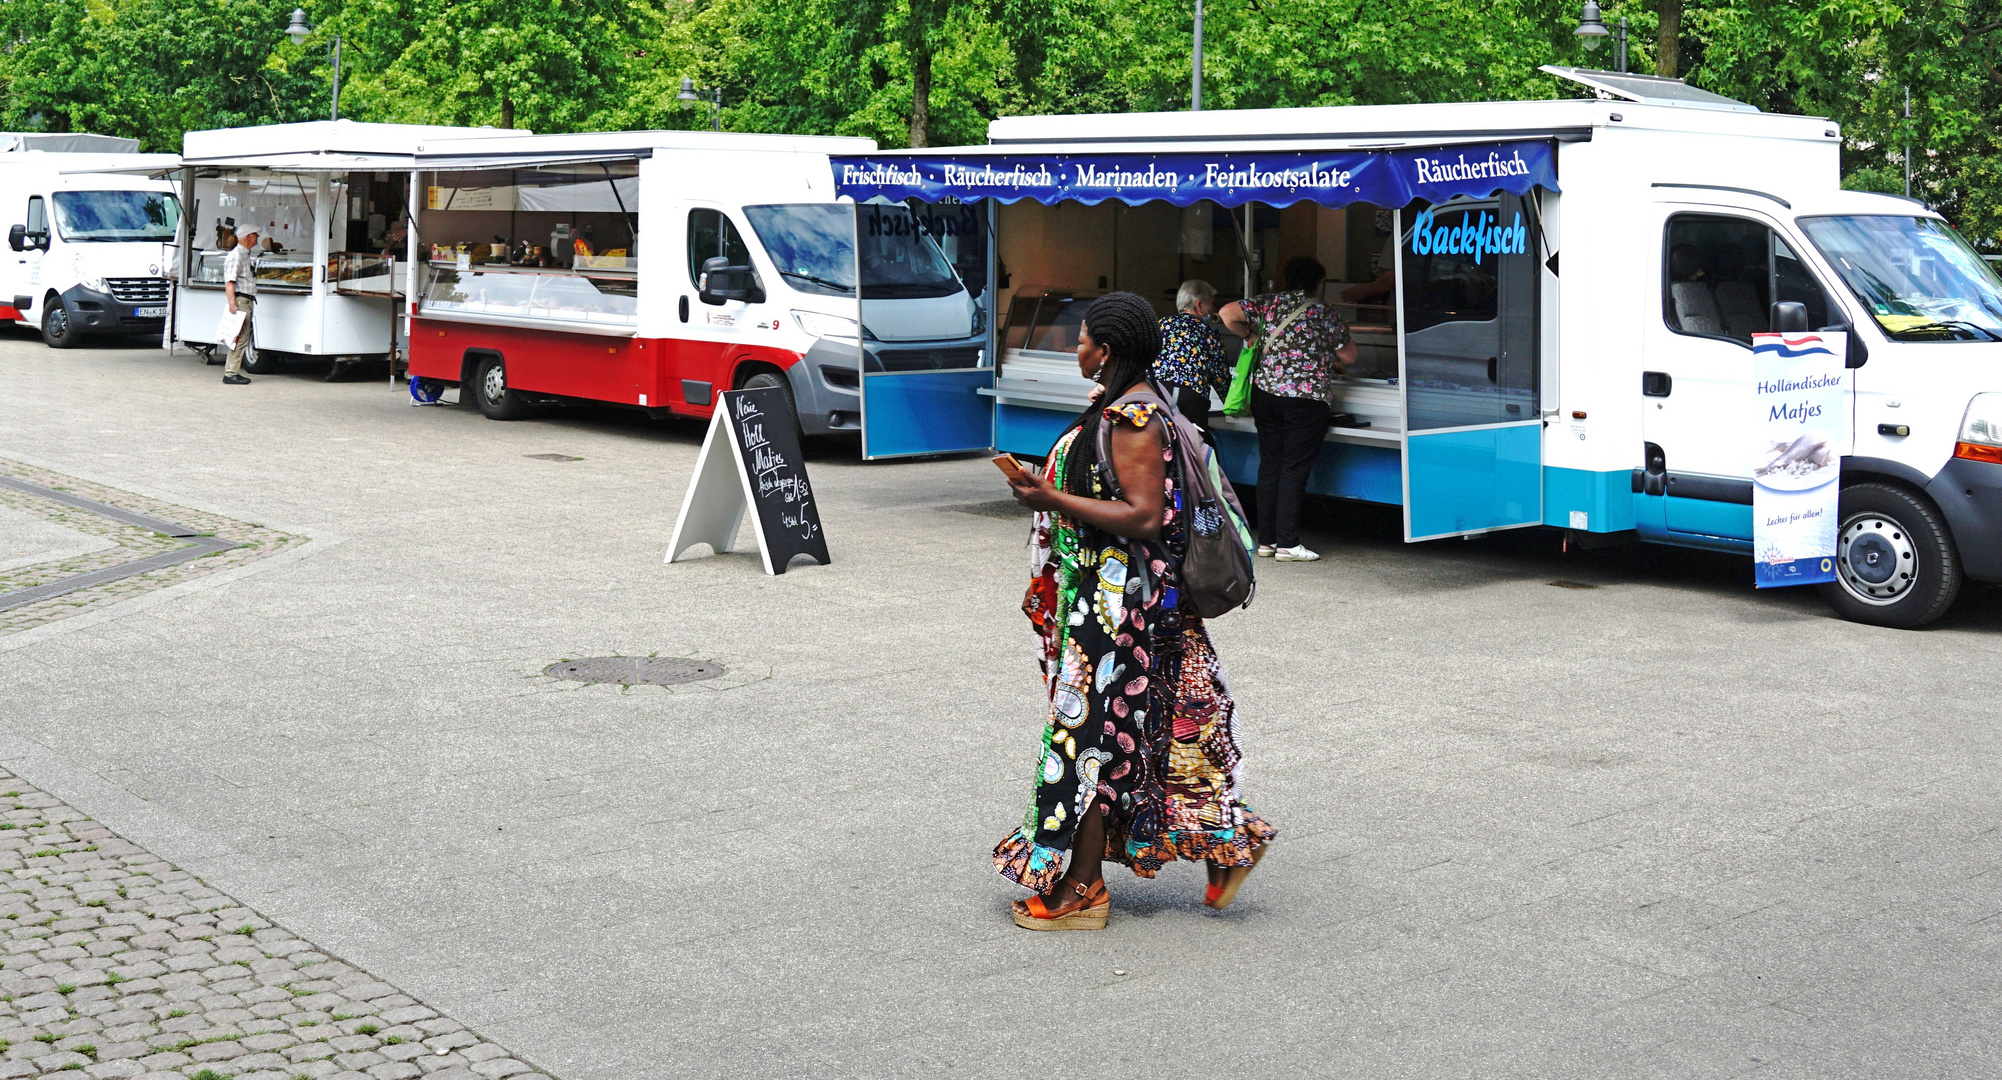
(298, 32)
(713, 97)
(1196, 76)
(1592, 30)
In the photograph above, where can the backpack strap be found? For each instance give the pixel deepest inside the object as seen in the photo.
(1150, 396)
(1285, 324)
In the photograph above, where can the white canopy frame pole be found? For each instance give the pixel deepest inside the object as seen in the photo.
(323, 245)
(412, 203)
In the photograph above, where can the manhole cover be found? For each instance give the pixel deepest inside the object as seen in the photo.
(553, 457)
(634, 670)
(1572, 585)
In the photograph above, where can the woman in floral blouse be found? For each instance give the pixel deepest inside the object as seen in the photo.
(1191, 361)
(1306, 347)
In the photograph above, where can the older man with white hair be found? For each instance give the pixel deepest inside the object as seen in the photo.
(1192, 363)
(239, 292)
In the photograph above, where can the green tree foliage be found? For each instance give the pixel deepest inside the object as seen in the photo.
(546, 65)
(935, 71)
(1853, 61)
(149, 69)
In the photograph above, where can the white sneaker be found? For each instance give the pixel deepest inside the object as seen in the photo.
(1265, 551)
(1296, 553)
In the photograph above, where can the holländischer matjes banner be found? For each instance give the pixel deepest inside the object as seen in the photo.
(1801, 415)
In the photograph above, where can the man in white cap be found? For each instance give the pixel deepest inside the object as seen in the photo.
(239, 288)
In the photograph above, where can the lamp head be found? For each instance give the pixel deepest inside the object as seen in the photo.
(1591, 28)
(687, 90)
(300, 28)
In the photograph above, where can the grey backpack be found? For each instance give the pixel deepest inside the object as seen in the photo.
(1217, 563)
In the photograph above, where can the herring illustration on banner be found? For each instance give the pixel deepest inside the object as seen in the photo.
(1801, 418)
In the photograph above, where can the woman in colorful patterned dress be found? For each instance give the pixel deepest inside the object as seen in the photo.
(1139, 760)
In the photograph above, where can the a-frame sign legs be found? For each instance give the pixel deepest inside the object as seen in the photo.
(718, 494)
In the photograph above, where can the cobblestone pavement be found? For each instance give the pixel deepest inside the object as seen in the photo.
(118, 965)
(127, 543)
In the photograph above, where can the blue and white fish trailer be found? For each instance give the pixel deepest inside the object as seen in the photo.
(1554, 303)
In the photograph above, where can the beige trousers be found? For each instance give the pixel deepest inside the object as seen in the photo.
(247, 305)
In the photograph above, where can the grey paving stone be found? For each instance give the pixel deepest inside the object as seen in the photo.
(210, 1012)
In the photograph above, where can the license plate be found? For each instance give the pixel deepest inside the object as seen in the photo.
(149, 313)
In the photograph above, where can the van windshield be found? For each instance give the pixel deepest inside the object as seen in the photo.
(813, 247)
(1917, 277)
(116, 216)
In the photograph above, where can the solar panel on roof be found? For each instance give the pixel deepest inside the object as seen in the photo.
(1647, 89)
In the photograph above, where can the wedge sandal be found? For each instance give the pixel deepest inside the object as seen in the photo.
(1097, 905)
(1233, 880)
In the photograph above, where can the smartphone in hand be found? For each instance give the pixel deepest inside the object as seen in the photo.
(1011, 468)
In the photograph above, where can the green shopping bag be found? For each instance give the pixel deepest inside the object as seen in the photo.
(1238, 402)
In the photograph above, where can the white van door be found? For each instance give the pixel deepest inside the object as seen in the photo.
(25, 266)
(714, 328)
(1721, 270)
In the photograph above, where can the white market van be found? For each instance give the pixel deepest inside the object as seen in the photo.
(658, 268)
(87, 253)
(1565, 338)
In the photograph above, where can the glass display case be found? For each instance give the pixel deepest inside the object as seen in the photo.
(274, 272)
(284, 272)
(207, 269)
(1045, 322)
(366, 275)
(610, 299)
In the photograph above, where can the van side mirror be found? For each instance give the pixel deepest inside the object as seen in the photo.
(721, 281)
(1859, 353)
(1789, 317)
(17, 237)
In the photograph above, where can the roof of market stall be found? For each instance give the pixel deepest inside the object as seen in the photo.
(321, 145)
(66, 143)
(517, 151)
(1386, 155)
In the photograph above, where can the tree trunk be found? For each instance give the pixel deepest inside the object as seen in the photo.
(921, 96)
(507, 111)
(1667, 49)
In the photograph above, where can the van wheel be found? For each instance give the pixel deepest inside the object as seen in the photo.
(492, 394)
(771, 380)
(59, 329)
(1895, 563)
(258, 362)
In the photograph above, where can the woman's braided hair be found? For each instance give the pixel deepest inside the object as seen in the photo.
(1131, 332)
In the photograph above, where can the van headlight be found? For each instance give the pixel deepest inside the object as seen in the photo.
(93, 283)
(822, 325)
(1981, 430)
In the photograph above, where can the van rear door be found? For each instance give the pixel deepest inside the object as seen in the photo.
(1468, 368)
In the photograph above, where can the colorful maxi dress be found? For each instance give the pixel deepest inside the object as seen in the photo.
(1139, 714)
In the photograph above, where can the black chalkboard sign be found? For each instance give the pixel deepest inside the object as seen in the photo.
(754, 431)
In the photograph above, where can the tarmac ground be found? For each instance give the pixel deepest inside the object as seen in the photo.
(1609, 813)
